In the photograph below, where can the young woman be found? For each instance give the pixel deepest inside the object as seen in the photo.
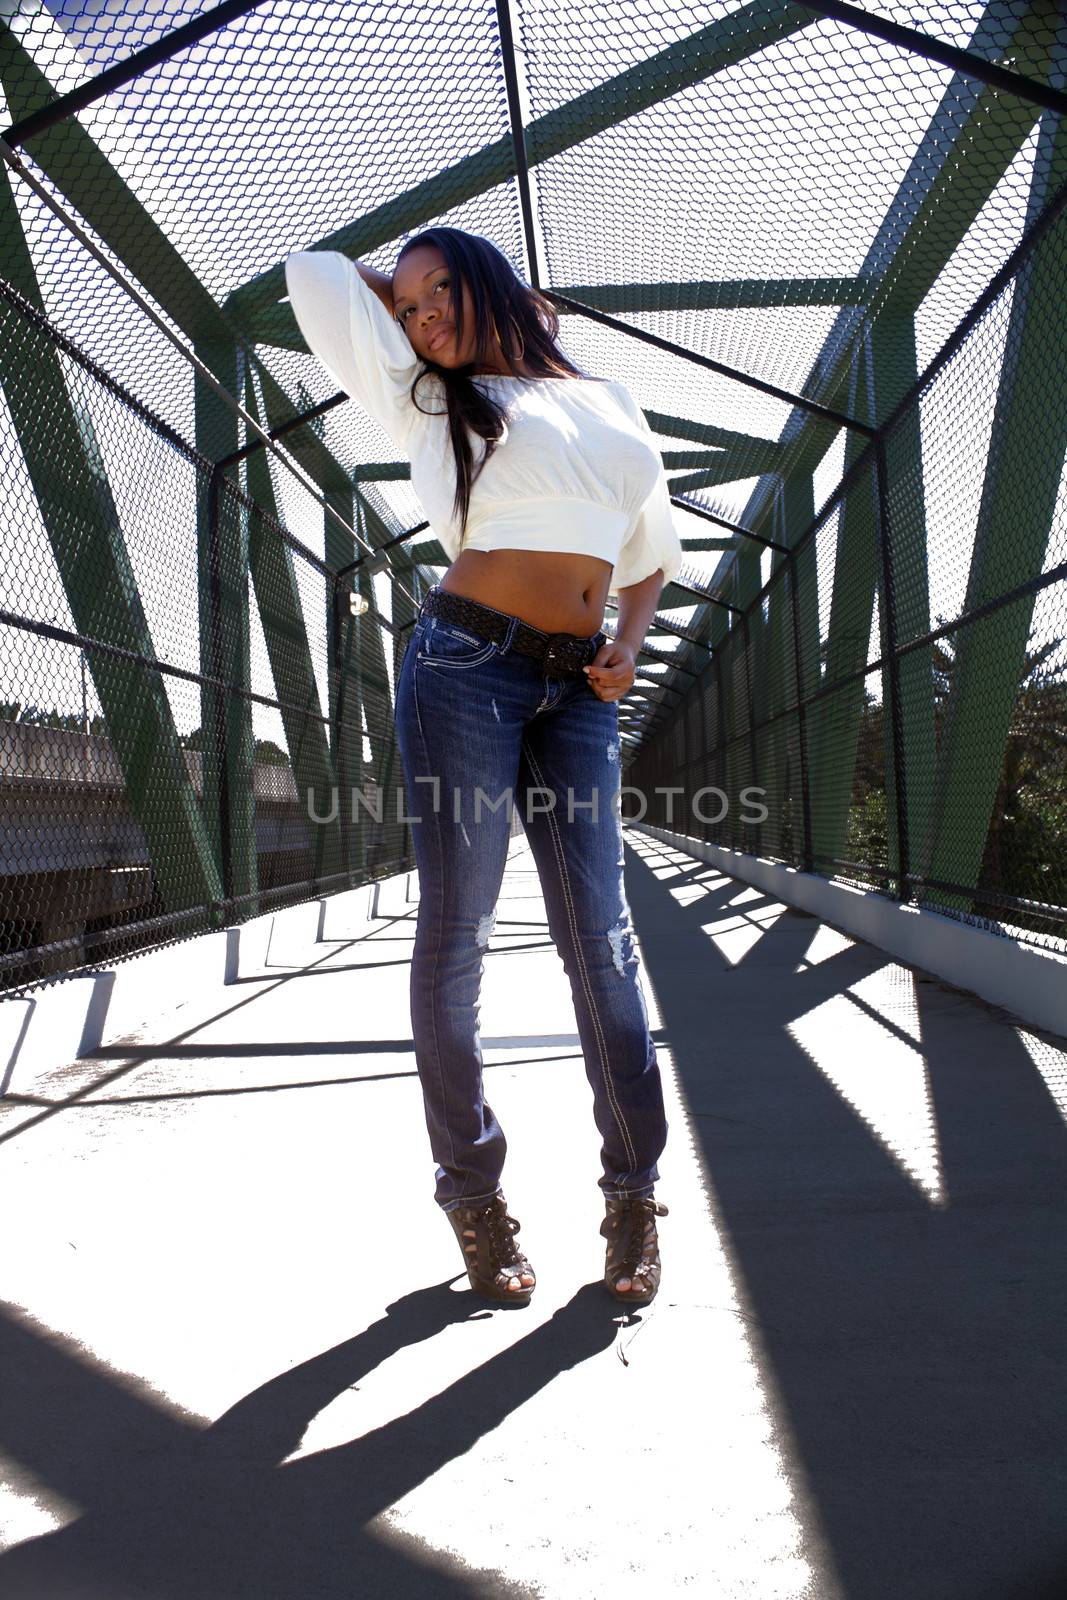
(546, 491)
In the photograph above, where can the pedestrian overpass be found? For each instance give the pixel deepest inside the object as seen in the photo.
(825, 247)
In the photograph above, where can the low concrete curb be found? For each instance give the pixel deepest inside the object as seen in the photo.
(98, 1006)
(1027, 981)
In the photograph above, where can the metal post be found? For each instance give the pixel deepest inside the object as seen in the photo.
(754, 837)
(720, 696)
(339, 628)
(802, 732)
(887, 611)
(218, 698)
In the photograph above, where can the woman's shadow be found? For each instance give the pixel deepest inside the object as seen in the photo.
(216, 1516)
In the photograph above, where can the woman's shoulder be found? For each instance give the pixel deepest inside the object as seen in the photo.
(614, 387)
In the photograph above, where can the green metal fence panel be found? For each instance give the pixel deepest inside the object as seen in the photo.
(277, 590)
(844, 329)
(223, 537)
(1022, 483)
(56, 435)
(699, 55)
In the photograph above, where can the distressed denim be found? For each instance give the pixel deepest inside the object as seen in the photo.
(496, 734)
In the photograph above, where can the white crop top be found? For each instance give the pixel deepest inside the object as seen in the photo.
(577, 468)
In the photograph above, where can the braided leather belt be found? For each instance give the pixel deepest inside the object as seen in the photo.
(561, 655)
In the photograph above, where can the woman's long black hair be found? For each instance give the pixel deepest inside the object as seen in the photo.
(527, 324)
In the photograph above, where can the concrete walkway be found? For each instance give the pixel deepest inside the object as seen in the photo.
(233, 1364)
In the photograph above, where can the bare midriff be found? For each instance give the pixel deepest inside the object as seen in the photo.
(551, 590)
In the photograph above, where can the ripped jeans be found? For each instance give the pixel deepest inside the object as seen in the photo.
(481, 731)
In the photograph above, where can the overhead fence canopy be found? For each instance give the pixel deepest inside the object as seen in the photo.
(823, 244)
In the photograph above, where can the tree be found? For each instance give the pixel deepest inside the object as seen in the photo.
(1026, 847)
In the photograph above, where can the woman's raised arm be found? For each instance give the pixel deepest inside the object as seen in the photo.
(380, 282)
(344, 310)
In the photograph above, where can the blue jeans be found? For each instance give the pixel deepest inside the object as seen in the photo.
(481, 731)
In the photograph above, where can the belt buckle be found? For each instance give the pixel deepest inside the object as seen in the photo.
(558, 644)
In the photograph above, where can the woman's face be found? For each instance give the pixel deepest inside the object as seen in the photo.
(422, 304)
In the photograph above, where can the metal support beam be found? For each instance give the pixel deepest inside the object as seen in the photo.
(790, 662)
(744, 579)
(377, 561)
(934, 49)
(65, 468)
(723, 43)
(281, 611)
(706, 595)
(812, 407)
(86, 94)
(711, 294)
(709, 433)
(1025, 463)
(344, 678)
(753, 455)
(904, 583)
(957, 185)
(972, 138)
(276, 324)
(835, 720)
(752, 459)
(80, 171)
(896, 769)
(518, 140)
(282, 430)
(225, 718)
(732, 527)
(385, 842)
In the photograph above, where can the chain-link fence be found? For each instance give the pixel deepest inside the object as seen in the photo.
(118, 830)
(821, 243)
(840, 725)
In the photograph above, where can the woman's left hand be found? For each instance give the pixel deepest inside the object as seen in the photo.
(611, 671)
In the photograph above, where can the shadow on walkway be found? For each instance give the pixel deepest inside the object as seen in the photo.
(182, 1512)
(916, 1339)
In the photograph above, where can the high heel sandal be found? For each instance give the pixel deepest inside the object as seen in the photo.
(491, 1256)
(633, 1246)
